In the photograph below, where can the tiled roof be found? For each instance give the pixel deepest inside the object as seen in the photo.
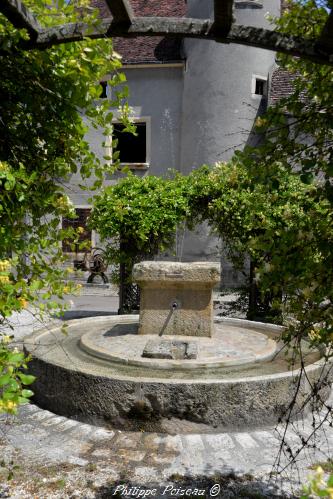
(281, 85)
(148, 49)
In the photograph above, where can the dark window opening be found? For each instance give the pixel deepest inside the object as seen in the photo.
(132, 148)
(260, 87)
(104, 85)
(82, 242)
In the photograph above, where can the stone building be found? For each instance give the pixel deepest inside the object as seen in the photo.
(194, 101)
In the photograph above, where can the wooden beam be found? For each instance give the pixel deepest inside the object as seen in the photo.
(223, 16)
(325, 40)
(123, 24)
(279, 42)
(121, 11)
(70, 32)
(185, 27)
(19, 15)
(141, 26)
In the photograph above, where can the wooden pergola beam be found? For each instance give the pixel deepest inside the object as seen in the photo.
(141, 26)
(223, 16)
(20, 16)
(186, 27)
(121, 11)
(325, 40)
(123, 24)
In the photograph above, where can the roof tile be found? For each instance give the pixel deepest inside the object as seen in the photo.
(281, 85)
(148, 49)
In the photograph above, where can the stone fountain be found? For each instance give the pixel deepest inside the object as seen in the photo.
(173, 360)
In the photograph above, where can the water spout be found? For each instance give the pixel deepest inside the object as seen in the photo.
(174, 306)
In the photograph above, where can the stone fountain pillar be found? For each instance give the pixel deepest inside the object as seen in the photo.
(176, 298)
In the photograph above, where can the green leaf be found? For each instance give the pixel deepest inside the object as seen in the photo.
(13, 385)
(330, 481)
(306, 178)
(23, 400)
(27, 393)
(4, 379)
(8, 395)
(15, 358)
(26, 379)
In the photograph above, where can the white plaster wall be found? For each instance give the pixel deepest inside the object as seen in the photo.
(218, 109)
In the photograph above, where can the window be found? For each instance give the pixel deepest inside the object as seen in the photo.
(134, 150)
(83, 241)
(104, 85)
(252, 4)
(259, 85)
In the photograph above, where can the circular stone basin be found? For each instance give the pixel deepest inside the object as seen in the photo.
(246, 381)
(230, 346)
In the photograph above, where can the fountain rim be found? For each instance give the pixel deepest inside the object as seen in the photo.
(31, 341)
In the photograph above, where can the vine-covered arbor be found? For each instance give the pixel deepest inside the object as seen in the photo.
(123, 23)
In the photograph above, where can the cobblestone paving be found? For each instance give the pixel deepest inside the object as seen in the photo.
(46, 439)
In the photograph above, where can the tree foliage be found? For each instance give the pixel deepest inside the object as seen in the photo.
(48, 99)
(297, 142)
(138, 216)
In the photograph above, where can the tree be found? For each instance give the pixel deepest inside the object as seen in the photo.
(289, 184)
(298, 143)
(295, 140)
(43, 96)
(138, 218)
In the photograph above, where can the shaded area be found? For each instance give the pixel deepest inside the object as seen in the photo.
(225, 486)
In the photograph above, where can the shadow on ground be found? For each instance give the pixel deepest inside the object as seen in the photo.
(219, 486)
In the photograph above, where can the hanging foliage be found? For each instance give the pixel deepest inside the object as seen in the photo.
(48, 99)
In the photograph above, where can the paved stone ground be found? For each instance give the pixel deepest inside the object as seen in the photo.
(61, 458)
